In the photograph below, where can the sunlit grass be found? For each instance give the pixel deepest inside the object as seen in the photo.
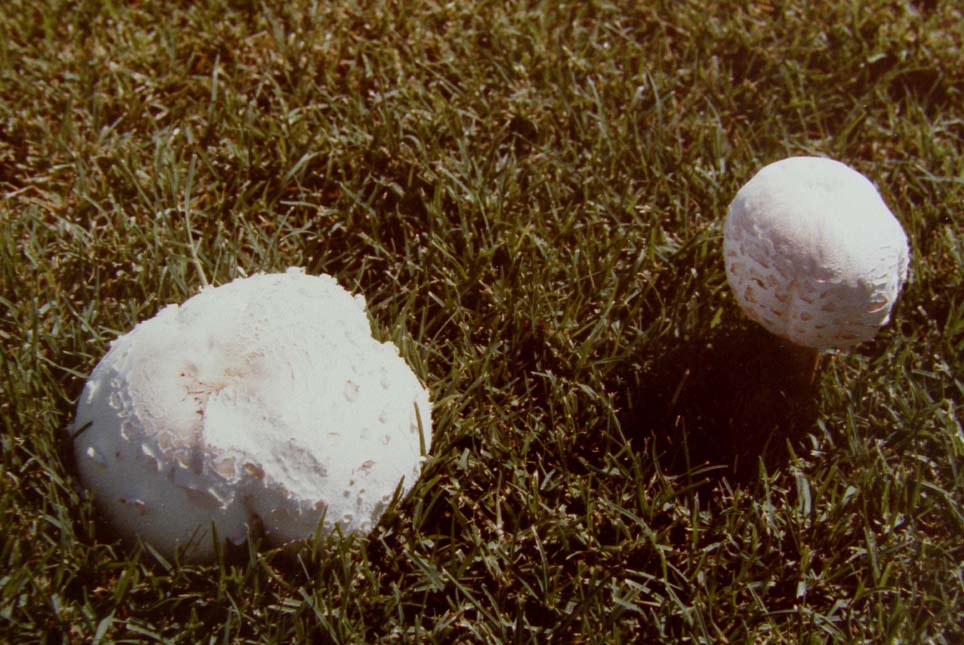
(530, 197)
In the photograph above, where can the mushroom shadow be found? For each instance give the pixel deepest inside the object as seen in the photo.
(729, 400)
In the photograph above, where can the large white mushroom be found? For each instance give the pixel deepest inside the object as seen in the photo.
(264, 403)
(813, 254)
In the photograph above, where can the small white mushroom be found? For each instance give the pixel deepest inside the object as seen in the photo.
(813, 254)
(264, 402)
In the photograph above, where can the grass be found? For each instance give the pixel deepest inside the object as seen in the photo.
(530, 196)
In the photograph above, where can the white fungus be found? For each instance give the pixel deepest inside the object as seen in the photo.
(813, 254)
(261, 403)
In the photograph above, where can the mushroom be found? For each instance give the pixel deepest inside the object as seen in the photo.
(813, 254)
(261, 403)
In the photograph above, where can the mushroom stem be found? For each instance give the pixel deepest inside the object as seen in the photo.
(814, 366)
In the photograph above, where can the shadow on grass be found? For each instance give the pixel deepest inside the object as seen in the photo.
(728, 401)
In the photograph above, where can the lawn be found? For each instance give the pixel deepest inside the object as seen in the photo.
(530, 195)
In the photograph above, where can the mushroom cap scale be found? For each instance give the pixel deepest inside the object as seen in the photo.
(813, 254)
(263, 402)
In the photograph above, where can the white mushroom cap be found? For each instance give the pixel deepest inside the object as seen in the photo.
(263, 399)
(813, 254)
